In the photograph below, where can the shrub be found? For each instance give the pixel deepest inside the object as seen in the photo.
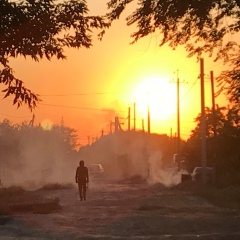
(56, 186)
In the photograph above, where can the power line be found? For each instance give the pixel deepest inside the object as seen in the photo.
(189, 89)
(14, 116)
(78, 94)
(83, 108)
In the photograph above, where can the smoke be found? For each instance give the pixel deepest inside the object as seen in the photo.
(35, 171)
(159, 174)
(41, 159)
(129, 154)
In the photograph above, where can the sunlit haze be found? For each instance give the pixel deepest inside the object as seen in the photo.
(93, 86)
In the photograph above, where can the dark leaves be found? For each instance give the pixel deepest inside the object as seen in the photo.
(41, 29)
(181, 22)
(203, 26)
(15, 87)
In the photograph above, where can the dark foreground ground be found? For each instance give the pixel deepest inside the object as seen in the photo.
(127, 211)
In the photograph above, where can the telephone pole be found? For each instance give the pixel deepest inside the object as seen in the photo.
(129, 118)
(214, 127)
(203, 123)
(178, 119)
(178, 137)
(143, 125)
(116, 124)
(149, 124)
(213, 103)
(134, 116)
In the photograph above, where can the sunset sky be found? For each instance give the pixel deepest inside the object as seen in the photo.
(94, 85)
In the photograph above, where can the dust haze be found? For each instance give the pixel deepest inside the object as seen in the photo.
(31, 156)
(125, 155)
(37, 166)
(43, 159)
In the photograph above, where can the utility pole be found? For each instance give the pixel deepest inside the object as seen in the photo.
(149, 120)
(214, 127)
(143, 125)
(203, 123)
(213, 103)
(171, 140)
(134, 116)
(129, 118)
(178, 137)
(116, 124)
(178, 119)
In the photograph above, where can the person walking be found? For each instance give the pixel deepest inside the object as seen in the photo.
(82, 179)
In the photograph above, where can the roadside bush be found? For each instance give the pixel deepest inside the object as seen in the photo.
(56, 186)
(226, 178)
(228, 197)
(12, 191)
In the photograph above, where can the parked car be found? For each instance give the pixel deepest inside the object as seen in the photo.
(96, 170)
(198, 171)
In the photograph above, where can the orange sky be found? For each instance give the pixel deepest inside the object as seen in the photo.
(94, 85)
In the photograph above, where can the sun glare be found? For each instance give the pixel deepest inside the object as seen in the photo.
(157, 93)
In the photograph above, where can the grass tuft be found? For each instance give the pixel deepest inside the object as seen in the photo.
(12, 191)
(56, 186)
(16, 199)
(228, 197)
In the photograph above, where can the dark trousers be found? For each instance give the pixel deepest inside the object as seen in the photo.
(82, 186)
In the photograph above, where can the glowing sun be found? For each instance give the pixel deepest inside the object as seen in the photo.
(159, 94)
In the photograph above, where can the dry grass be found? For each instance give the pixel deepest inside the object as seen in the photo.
(56, 186)
(16, 199)
(12, 191)
(42, 207)
(228, 197)
(133, 180)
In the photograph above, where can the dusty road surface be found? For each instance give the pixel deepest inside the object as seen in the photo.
(126, 211)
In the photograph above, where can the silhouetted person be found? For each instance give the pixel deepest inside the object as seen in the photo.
(82, 179)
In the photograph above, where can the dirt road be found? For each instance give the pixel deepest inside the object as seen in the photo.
(126, 211)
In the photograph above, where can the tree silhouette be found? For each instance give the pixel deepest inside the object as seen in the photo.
(202, 26)
(223, 150)
(41, 29)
